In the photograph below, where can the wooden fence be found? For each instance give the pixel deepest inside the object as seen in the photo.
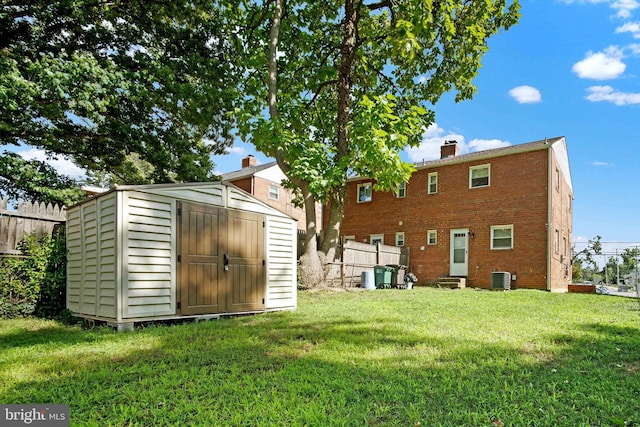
(27, 218)
(358, 257)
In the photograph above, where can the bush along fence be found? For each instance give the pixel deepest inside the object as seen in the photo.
(32, 260)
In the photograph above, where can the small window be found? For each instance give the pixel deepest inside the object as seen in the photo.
(557, 179)
(377, 238)
(400, 238)
(564, 246)
(433, 183)
(570, 202)
(274, 192)
(364, 192)
(479, 176)
(402, 190)
(432, 237)
(557, 241)
(502, 237)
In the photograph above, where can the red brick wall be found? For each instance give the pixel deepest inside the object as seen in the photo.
(561, 220)
(517, 195)
(259, 187)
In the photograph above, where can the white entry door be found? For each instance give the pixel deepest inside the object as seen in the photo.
(459, 265)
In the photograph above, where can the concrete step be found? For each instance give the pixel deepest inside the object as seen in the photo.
(452, 282)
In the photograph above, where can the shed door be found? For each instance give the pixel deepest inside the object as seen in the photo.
(246, 270)
(221, 254)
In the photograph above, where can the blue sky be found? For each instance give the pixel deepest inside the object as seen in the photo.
(569, 68)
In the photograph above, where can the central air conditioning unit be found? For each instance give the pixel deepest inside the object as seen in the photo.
(500, 280)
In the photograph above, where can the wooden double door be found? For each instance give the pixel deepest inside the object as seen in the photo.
(221, 260)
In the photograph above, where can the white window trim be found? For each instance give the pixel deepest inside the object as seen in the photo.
(485, 166)
(402, 188)
(433, 233)
(501, 227)
(276, 190)
(366, 184)
(432, 175)
(376, 237)
(400, 235)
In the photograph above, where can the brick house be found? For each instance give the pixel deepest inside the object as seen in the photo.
(474, 215)
(264, 182)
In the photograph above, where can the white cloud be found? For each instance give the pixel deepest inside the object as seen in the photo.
(237, 150)
(630, 27)
(609, 94)
(61, 165)
(526, 94)
(435, 136)
(601, 164)
(623, 8)
(601, 65)
(486, 144)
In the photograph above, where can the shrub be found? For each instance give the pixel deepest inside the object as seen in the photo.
(35, 282)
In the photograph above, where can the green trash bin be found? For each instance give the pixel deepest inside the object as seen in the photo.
(394, 273)
(382, 276)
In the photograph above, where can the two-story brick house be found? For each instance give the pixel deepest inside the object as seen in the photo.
(502, 210)
(264, 182)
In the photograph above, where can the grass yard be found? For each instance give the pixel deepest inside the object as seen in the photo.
(425, 357)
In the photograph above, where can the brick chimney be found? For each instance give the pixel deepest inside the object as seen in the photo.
(248, 161)
(449, 149)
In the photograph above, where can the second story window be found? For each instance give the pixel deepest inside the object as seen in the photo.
(274, 192)
(479, 176)
(402, 190)
(400, 238)
(365, 192)
(432, 237)
(433, 183)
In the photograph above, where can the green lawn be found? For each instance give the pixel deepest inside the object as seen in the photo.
(425, 357)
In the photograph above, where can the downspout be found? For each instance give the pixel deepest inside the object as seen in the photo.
(549, 216)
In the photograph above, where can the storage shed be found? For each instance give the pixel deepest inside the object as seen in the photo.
(171, 251)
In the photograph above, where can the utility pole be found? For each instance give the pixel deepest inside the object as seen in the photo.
(617, 270)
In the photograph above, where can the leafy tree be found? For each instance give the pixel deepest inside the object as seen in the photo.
(629, 260)
(36, 181)
(346, 88)
(104, 80)
(584, 265)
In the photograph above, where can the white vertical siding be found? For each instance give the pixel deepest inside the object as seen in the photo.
(74, 259)
(149, 248)
(107, 266)
(89, 224)
(281, 263)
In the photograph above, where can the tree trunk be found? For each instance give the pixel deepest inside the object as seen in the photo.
(312, 274)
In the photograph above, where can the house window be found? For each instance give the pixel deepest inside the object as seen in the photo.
(502, 237)
(400, 239)
(433, 183)
(479, 176)
(274, 192)
(377, 238)
(364, 192)
(564, 246)
(432, 237)
(557, 241)
(402, 190)
(557, 179)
